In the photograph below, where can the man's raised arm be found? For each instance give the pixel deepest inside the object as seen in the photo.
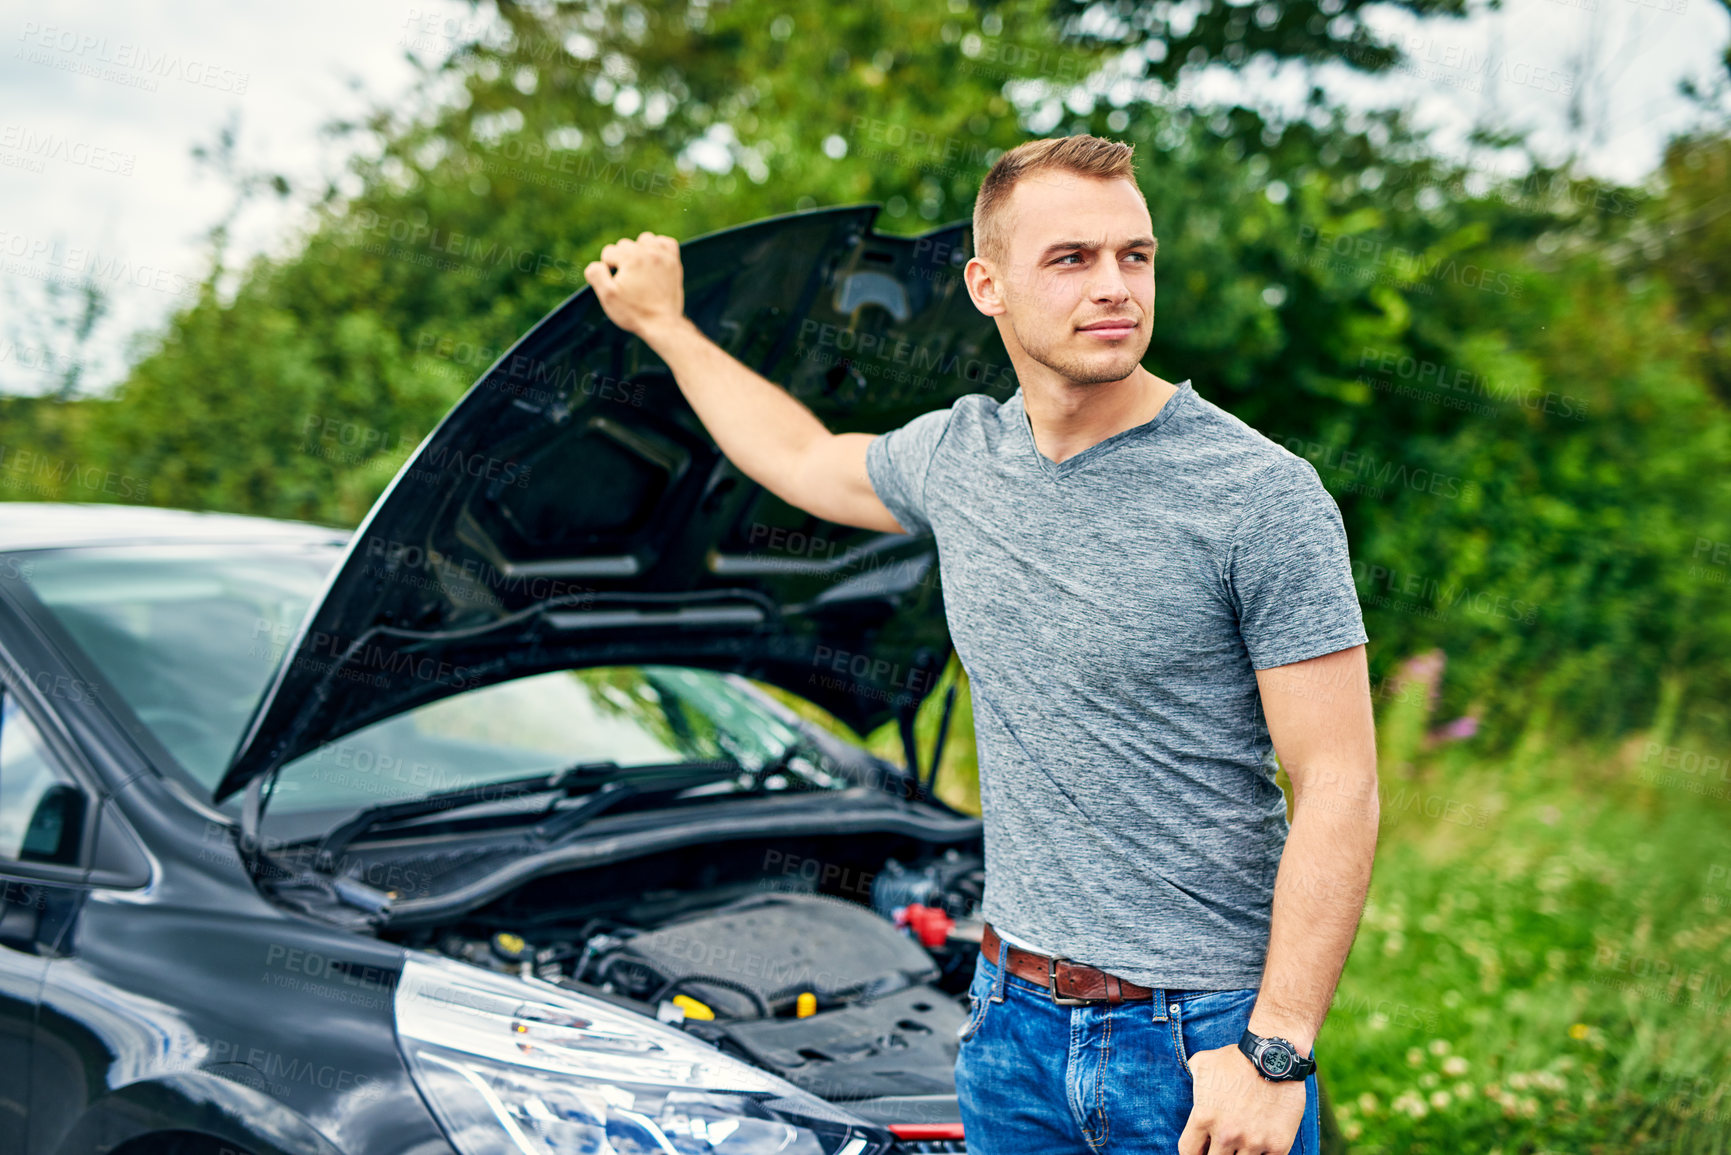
(762, 428)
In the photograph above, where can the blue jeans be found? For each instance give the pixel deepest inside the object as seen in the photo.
(1034, 1076)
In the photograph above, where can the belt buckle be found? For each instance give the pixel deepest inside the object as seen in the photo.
(1052, 982)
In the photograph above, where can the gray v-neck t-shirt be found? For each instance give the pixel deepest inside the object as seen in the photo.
(1111, 610)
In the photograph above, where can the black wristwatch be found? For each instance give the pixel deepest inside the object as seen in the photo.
(1277, 1059)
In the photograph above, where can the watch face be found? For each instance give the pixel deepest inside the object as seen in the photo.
(1277, 1060)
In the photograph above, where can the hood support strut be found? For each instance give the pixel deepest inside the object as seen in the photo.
(910, 748)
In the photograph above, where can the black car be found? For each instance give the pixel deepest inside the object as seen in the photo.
(476, 828)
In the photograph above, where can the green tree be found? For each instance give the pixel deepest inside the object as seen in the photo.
(1501, 381)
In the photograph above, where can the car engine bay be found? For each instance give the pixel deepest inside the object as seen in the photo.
(841, 965)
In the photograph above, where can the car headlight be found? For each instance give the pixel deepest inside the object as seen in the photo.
(516, 1066)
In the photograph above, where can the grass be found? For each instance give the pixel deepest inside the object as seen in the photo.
(1548, 968)
(1544, 959)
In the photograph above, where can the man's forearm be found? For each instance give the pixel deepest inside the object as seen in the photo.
(762, 428)
(1318, 897)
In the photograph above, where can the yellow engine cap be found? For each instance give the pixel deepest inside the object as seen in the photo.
(692, 1008)
(806, 1005)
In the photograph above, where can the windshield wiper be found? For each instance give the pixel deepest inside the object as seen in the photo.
(570, 780)
(645, 779)
(563, 822)
(782, 760)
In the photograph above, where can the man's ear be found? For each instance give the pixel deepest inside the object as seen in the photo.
(982, 280)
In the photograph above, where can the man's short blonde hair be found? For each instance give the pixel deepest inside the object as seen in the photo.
(1083, 155)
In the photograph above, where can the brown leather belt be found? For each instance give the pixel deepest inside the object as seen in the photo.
(1071, 984)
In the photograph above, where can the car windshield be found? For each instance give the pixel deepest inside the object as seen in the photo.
(188, 637)
(631, 715)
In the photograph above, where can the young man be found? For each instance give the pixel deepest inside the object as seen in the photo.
(1151, 600)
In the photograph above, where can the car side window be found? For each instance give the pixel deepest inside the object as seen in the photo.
(41, 805)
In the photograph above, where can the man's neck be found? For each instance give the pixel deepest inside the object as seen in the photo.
(1066, 419)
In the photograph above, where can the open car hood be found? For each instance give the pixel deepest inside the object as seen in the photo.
(571, 509)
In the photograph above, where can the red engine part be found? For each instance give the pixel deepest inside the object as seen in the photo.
(929, 923)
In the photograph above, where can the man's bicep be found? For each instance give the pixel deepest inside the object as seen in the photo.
(1320, 719)
(898, 463)
(840, 485)
(875, 481)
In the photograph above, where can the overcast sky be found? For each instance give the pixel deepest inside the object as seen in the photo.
(101, 105)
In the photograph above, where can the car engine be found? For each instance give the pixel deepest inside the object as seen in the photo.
(844, 998)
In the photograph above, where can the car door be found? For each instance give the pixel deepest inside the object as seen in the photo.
(45, 817)
(21, 972)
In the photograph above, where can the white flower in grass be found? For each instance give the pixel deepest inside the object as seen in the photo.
(1410, 1103)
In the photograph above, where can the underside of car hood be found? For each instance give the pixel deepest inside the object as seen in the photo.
(571, 509)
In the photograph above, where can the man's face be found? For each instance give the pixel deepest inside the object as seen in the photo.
(1076, 282)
